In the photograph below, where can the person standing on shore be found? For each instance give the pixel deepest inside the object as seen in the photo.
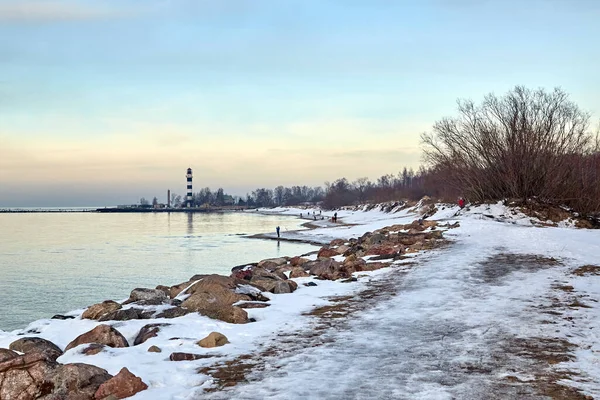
(277, 229)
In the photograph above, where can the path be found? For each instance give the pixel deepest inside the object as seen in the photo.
(467, 322)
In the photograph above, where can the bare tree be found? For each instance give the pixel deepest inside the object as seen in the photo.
(517, 146)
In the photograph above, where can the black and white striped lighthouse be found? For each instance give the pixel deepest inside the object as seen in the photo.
(189, 188)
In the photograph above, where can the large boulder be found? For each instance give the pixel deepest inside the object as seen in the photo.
(173, 312)
(231, 314)
(76, 382)
(298, 261)
(325, 269)
(26, 376)
(147, 332)
(298, 272)
(273, 261)
(326, 252)
(97, 311)
(126, 315)
(147, 295)
(213, 297)
(6, 354)
(102, 334)
(214, 339)
(381, 250)
(36, 345)
(123, 385)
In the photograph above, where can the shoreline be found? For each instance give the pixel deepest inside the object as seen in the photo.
(345, 282)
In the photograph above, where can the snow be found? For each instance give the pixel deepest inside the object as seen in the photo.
(443, 331)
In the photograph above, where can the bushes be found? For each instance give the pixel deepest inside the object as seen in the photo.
(522, 145)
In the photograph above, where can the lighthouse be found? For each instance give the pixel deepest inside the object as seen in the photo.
(189, 188)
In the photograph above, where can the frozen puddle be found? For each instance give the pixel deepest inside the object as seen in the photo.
(476, 320)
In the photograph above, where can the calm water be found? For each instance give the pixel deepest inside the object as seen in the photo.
(54, 263)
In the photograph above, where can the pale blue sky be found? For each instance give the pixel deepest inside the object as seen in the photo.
(106, 101)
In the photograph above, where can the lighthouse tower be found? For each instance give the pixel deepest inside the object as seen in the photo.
(189, 188)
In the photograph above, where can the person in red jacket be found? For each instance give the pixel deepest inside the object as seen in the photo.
(461, 203)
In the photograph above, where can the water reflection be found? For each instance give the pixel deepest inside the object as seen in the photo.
(190, 223)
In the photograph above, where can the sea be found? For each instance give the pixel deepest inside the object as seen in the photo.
(55, 262)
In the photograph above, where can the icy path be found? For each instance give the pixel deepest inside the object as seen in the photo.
(451, 328)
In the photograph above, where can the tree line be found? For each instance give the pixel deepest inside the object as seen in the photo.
(525, 145)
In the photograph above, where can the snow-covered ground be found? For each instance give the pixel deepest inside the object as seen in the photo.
(449, 328)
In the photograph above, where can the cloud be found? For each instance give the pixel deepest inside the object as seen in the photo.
(52, 11)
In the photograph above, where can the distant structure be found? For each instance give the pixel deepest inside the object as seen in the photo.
(189, 188)
(168, 198)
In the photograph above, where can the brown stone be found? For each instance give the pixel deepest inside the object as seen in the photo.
(36, 345)
(93, 348)
(145, 294)
(98, 310)
(252, 305)
(77, 381)
(231, 314)
(298, 272)
(188, 356)
(26, 377)
(298, 261)
(214, 339)
(6, 354)
(124, 384)
(154, 349)
(337, 242)
(173, 312)
(381, 250)
(218, 296)
(273, 261)
(165, 289)
(147, 332)
(327, 253)
(102, 334)
(342, 249)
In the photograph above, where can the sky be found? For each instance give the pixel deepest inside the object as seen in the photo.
(104, 102)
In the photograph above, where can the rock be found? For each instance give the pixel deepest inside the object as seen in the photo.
(231, 314)
(375, 238)
(144, 294)
(98, 310)
(63, 317)
(188, 356)
(273, 261)
(165, 289)
(282, 287)
(327, 253)
(380, 250)
(214, 339)
(126, 315)
(36, 345)
(173, 312)
(337, 242)
(93, 348)
(77, 381)
(154, 349)
(342, 249)
(102, 334)
(372, 266)
(124, 384)
(353, 279)
(217, 297)
(175, 290)
(324, 269)
(310, 284)
(298, 261)
(6, 354)
(409, 240)
(252, 305)
(26, 377)
(298, 272)
(261, 273)
(434, 235)
(147, 332)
